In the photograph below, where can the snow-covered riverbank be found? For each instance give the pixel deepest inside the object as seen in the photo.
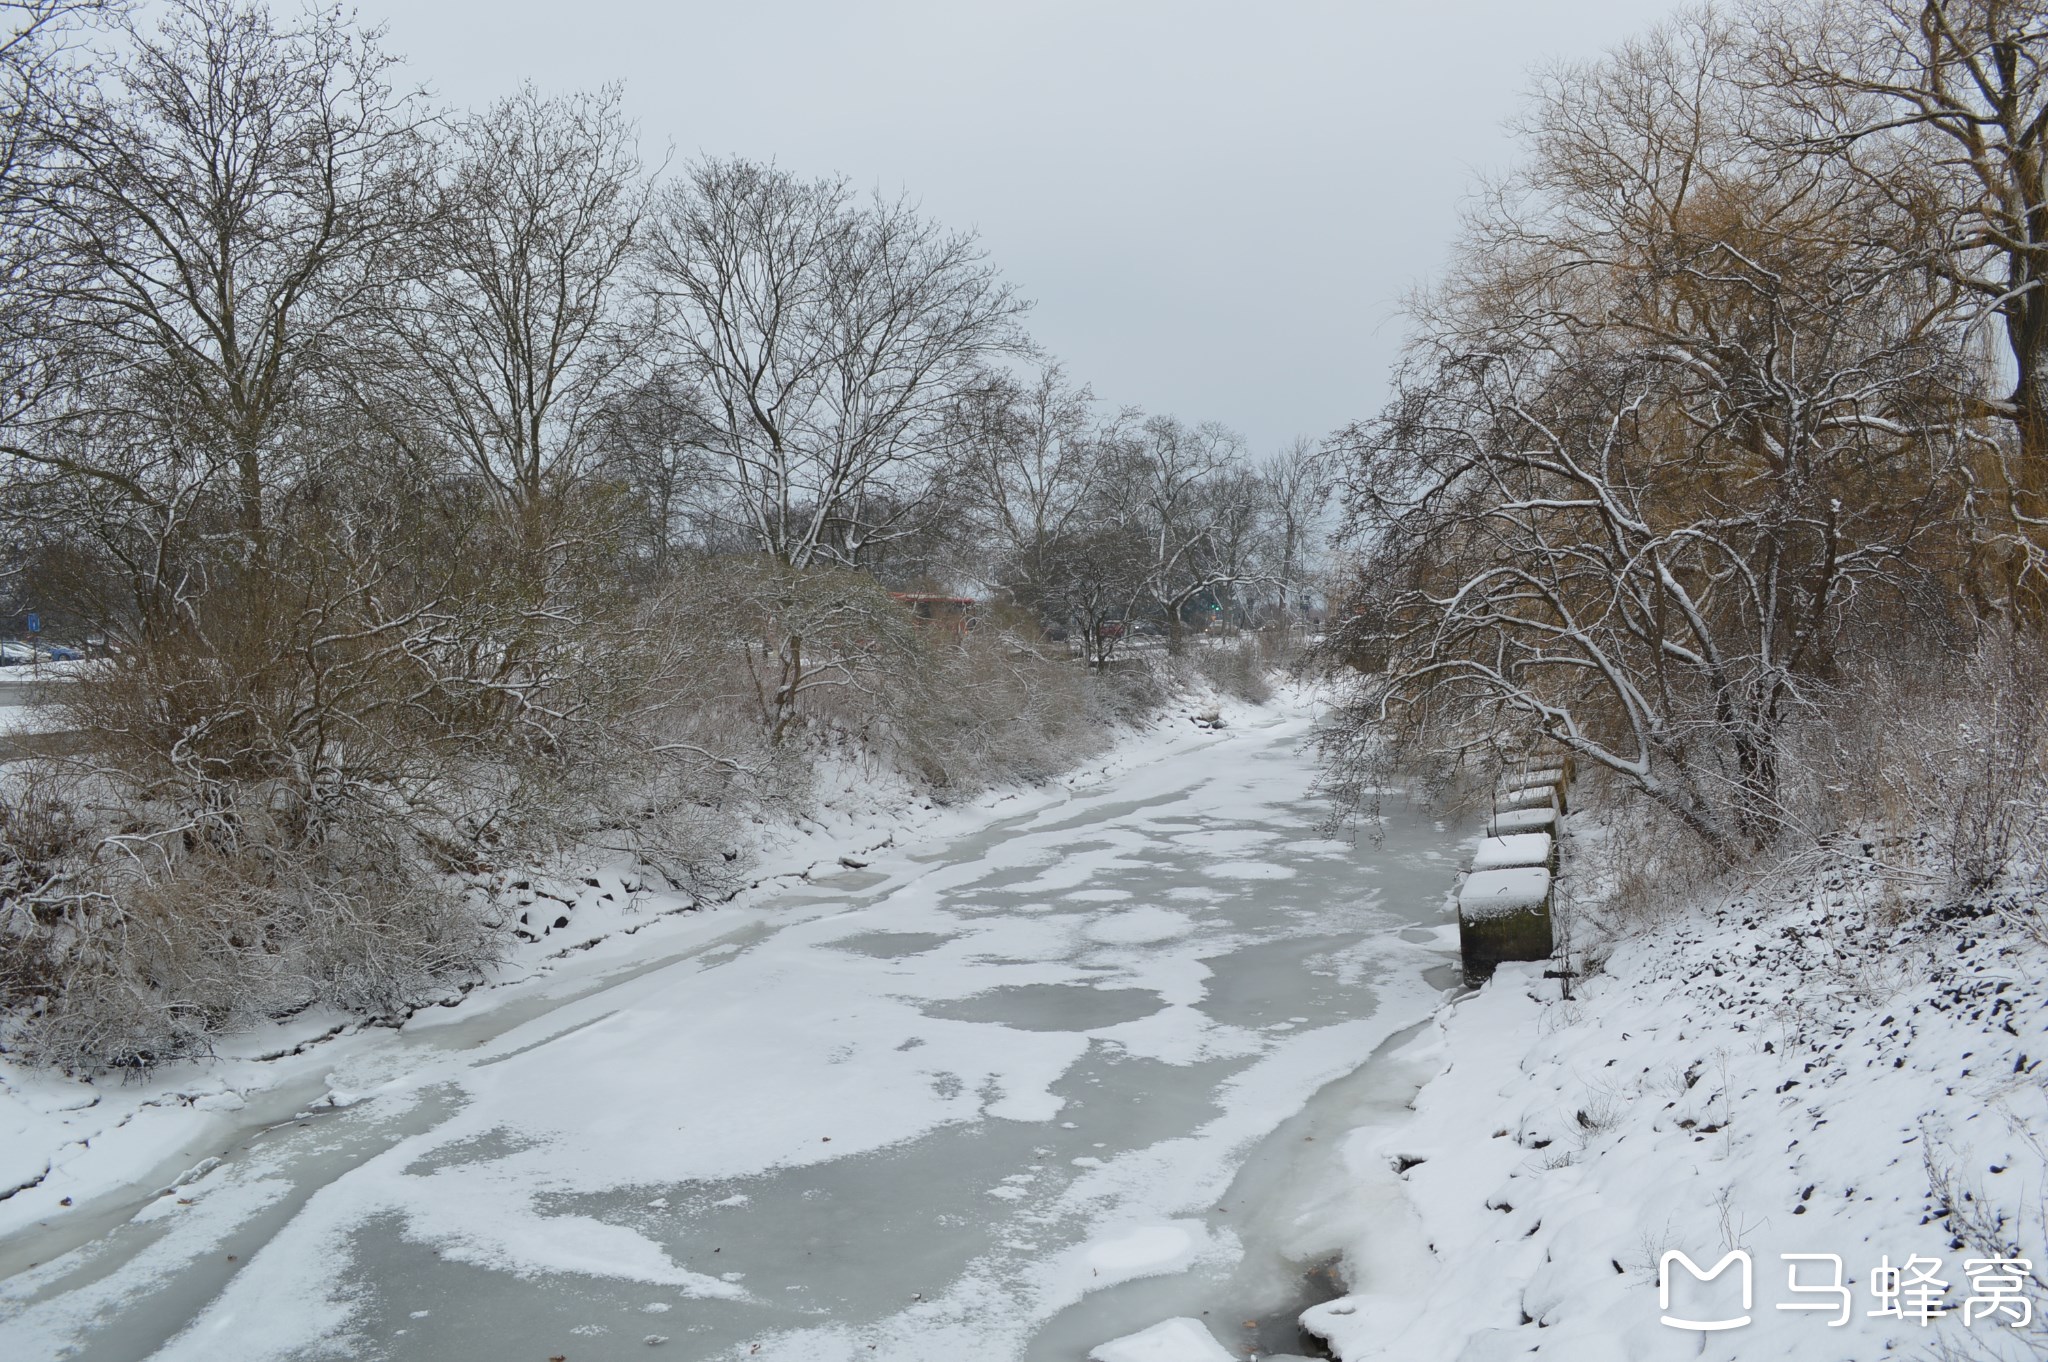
(80, 1150)
(1815, 1075)
(921, 1105)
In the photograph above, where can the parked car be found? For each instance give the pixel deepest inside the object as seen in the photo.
(23, 654)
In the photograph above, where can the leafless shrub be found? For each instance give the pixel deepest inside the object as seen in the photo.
(1238, 669)
(1282, 648)
(1634, 864)
(1929, 773)
(41, 830)
(988, 706)
(1133, 687)
(1988, 1230)
(1983, 788)
(146, 944)
(287, 780)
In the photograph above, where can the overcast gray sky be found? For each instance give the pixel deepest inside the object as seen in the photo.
(1216, 206)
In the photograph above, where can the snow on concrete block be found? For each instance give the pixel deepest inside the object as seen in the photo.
(1504, 915)
(1521, 848)
(1510, 821)
(1528, 787)
(1538, 797)
(1175, 1340)
(1496, 893)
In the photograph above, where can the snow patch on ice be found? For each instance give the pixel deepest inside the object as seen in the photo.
(1144, 1250)
(1225, 839)
(1250, 870)
(495, 1233)
(1139, 926)
(1174, 1340)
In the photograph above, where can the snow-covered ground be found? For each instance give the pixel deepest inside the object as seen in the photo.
(20, 690)
(971, 1070)
(1815, 1071)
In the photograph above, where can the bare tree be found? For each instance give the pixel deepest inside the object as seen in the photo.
(36, 83)
(830, 338)
(513, 339)
(39, 74)
(1671, 434)
(1295, 492)
(225, 206)
(1241, 550)
(1173, 472)
(1036, 469)
(1940, 107)
(1092, 578)
(653, 438)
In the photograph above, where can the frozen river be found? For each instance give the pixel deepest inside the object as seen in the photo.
(999, 1098)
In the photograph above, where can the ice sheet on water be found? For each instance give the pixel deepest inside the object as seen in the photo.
(1182, 1035)
(199, 1225)
(1139, 926)
(1048, 1008)
(1173, 1340)
(1250, 870)
(1144, 1250)
(1218, 840)
(823, 1055)
(892, 945)
(495, 1230)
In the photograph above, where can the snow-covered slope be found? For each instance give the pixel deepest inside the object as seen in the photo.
(1815, 1077)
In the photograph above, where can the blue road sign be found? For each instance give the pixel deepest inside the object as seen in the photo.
(35, 623)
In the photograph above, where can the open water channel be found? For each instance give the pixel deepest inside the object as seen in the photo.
(1000, 1098)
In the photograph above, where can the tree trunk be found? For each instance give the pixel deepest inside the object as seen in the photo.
(249, 502)
(786, 691)
(2020, 557)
